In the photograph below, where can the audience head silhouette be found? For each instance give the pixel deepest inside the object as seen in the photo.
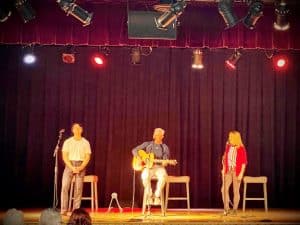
(80, 217)
(13, 217)
(50, 217)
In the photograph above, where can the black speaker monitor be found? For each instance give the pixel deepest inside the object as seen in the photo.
(141, 25)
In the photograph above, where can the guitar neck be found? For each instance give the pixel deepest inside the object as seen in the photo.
(162, 160)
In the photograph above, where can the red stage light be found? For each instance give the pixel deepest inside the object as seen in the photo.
(98, 60)
(280, 62)
(68, 58)
(230, 65)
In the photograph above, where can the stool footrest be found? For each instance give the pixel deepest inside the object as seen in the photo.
(254, 198)
(93, 180)
(177, 198)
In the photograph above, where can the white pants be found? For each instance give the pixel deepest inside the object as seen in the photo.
(156, 171)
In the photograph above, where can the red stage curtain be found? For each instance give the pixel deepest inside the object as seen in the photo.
(121, 104)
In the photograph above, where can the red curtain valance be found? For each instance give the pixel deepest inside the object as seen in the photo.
(200, 26)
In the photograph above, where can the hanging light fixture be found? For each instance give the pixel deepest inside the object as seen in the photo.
(135, 56)
(29, 58)
(168, 17)
(281, 11)
(70, 7)
(229, 17)
(255, 11)
(68, 56)
(197, 58)
(233, 59)
(5, 12)
(25, 10)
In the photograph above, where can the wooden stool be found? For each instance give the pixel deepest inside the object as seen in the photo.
(178, 179)
(256, 180)
(162, 201)
(93, 180)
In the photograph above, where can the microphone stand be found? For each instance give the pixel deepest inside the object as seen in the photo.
(55, 155)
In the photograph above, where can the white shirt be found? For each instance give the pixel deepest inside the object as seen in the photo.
(76, 149)
(232, 157)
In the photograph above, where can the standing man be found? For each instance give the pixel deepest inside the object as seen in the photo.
(160, 151)
(76, 153)
(234, 165)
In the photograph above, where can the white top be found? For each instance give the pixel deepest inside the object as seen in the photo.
(76, 148)
(232, 157)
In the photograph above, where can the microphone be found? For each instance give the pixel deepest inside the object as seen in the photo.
(61, 131)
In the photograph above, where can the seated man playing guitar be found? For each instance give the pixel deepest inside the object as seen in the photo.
(152, 167)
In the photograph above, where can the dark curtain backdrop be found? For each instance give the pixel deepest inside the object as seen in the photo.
(121, 104)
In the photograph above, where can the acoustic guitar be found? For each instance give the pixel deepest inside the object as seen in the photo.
(146, 160)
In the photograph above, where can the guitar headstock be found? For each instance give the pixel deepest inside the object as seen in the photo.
(173, 162)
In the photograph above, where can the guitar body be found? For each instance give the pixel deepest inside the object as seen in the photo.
(142, 160)
(146, 160)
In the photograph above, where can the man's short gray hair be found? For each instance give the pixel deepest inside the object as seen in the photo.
(13, 217)
(50, 217)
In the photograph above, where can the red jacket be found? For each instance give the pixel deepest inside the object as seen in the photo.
(241, 158)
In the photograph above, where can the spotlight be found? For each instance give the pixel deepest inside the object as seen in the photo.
(233, 59)
(176, 9)
(68, 58)
(98, 60)
(136, 56)
(70, 7)
(5, 13)
(197, 59)
(280, 62)
(229, 17)
(164, 5)
(25, 10)
(29, 58)
(254, 13)
(281, 12)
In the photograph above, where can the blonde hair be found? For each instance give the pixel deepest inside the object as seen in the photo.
(159, 130)
(234, 138)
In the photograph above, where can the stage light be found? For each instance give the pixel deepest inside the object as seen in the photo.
(5, 13)
(68, 58)
(229, 17)
(168, 17)
(70, 7)
(29, 58)
(281, 12)
(280, 62)
(255, 11)
(98, 60)
(164, 6)
(197, 59)
(136, 56)
(233, 59)
(25, 10)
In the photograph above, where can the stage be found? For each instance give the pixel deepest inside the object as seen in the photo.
(180, 216)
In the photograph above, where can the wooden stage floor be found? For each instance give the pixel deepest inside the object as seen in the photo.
(179, 216)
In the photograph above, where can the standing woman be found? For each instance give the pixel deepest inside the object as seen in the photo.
(234, 165)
